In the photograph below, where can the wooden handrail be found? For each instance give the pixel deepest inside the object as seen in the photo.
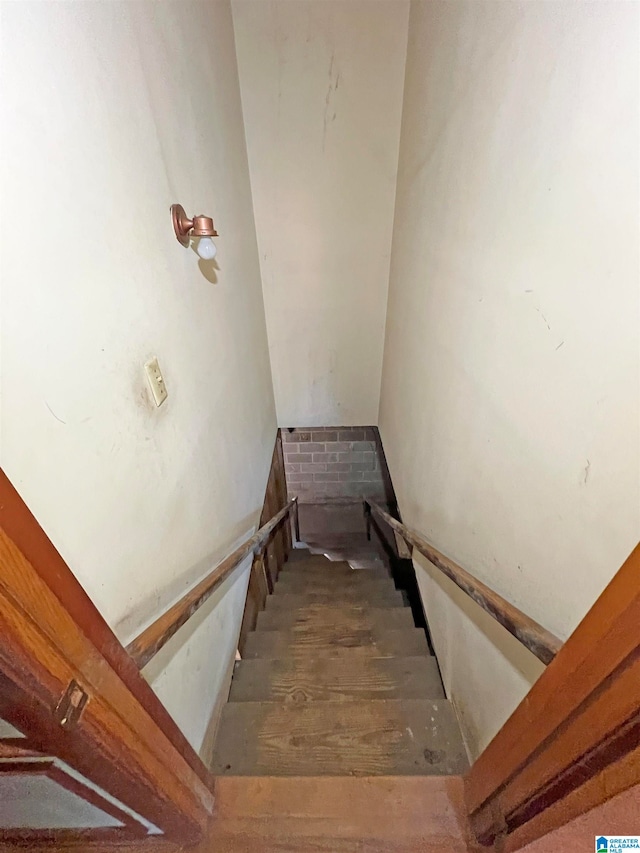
(540, 642)
(153, 638)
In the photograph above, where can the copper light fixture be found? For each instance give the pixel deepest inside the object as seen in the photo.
(200, 227)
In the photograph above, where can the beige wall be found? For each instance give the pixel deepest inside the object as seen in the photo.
(321, 89)
(509, 410)
(111, 112)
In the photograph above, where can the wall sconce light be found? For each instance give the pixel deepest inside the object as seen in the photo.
(200, 228)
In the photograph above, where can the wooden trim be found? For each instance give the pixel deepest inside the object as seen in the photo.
(574, 741)
(102, 841)
(540, 642)
(19, 524)
(75, 786)
(54, 840)
(46, 766)
(153, 638)
(17, 747)
(117, 742)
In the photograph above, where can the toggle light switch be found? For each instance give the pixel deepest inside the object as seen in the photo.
(156, 381)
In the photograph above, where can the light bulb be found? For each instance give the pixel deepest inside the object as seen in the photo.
(206, 249)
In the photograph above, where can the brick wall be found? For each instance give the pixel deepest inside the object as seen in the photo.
(332, 463)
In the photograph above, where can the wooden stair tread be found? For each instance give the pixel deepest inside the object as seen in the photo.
(329, 585)
(386, 643)
(330, 574)
(413, 737)
(290, 600)
(336, 679)
(324, 620)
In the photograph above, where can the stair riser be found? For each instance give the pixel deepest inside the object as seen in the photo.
(290, 601)
(300, 586)
(314, 574)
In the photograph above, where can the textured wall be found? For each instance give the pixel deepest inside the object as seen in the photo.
(510, 406)
(321, 85)
(104, 125)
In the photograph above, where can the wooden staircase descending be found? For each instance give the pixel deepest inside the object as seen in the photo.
(337, 717)
(336, 680)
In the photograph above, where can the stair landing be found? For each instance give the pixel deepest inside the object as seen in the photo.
(340, 815)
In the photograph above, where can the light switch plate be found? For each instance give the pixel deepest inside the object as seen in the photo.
(156, 381)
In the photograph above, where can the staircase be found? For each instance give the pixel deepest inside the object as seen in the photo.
(336, 680)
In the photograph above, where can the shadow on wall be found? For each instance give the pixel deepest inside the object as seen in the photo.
(333, 464)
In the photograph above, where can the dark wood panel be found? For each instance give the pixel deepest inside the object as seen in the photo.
(274, 550)
(257, 593)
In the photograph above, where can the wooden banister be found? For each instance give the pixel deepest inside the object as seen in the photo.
(152, 639)
(540, 642)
